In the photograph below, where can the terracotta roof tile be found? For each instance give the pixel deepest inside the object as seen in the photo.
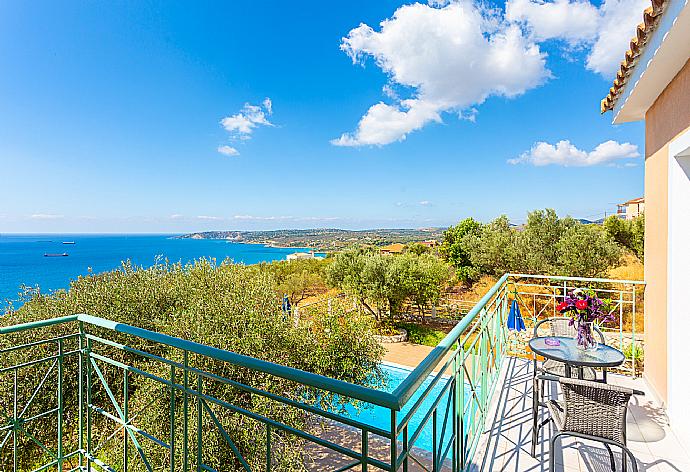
(642, 34)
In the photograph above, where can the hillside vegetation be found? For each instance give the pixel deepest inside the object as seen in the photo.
(322, 239)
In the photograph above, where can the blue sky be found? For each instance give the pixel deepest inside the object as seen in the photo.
(111, 114)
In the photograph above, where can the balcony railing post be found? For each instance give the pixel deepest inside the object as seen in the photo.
(406, 449)
(483, 363)
(60, 453)
(15, 423)
(459, 407)
(394, 441)
(454, 415)
(621, 320)
(434, 441)
(199, 425)
(81, 394)
(185, 413)
(634, 347)
(89, 400)
(125, 418)
(172, 418)
(365, 450)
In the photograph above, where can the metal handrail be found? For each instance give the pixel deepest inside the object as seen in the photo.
(577, 279)
(289, 373)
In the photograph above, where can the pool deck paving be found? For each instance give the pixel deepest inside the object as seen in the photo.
(408, 354)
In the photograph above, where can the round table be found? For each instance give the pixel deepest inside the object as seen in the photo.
(569, 354)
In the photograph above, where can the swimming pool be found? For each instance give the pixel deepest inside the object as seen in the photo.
(381, 417)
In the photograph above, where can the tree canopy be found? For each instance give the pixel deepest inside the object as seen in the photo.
(299, 278)
(546, 244)
(456, 247)
(627, 233)
(382, 283)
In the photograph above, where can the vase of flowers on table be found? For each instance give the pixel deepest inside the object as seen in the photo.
(584, 309)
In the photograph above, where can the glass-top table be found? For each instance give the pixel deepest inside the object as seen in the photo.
(568, 353)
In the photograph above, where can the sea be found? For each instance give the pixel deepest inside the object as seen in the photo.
(23, 261)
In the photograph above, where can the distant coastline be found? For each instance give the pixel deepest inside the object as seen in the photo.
(320, 239)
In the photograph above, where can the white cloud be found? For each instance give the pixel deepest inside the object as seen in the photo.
(241, 125)
(384, 124)
(251, 116)
(46, 216)
(268, 105)
(425, 203)
(606, 30)
(566, 154)
(209, 218)
(572, 21)
(285, 218)
(261, 218)
(452, 58)
(451, 55)
(617, 27)
(228, 150)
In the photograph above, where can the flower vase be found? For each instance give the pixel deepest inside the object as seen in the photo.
(585, 337)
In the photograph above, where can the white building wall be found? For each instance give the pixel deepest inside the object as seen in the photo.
(679, 286)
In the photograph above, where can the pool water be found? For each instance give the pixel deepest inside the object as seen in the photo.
(381, 418)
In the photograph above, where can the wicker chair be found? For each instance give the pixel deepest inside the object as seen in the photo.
(594, 411)
(555, 327)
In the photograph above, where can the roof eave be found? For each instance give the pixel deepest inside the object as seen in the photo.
(659, 40)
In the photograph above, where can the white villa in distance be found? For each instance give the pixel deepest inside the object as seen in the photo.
(631, 209)
(301, 255)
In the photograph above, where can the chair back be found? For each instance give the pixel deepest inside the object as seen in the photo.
(595, 409)
(560, 326)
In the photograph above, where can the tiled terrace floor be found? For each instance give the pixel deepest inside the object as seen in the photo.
(506, 443)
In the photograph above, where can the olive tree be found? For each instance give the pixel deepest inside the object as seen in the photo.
(383, 283)
(455, 247)
(493, 250)
(586, 251)
(627, 233)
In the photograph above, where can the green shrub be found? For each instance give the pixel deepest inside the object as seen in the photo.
(420, 334)
(631, 349)
(298, 279)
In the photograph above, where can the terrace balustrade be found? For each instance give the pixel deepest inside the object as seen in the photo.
(448, 392)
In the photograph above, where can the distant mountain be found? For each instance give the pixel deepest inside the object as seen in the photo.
(324, 239)
(591, 222)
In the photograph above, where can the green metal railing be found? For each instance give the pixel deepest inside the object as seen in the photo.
(538, 296)
(446, 396)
